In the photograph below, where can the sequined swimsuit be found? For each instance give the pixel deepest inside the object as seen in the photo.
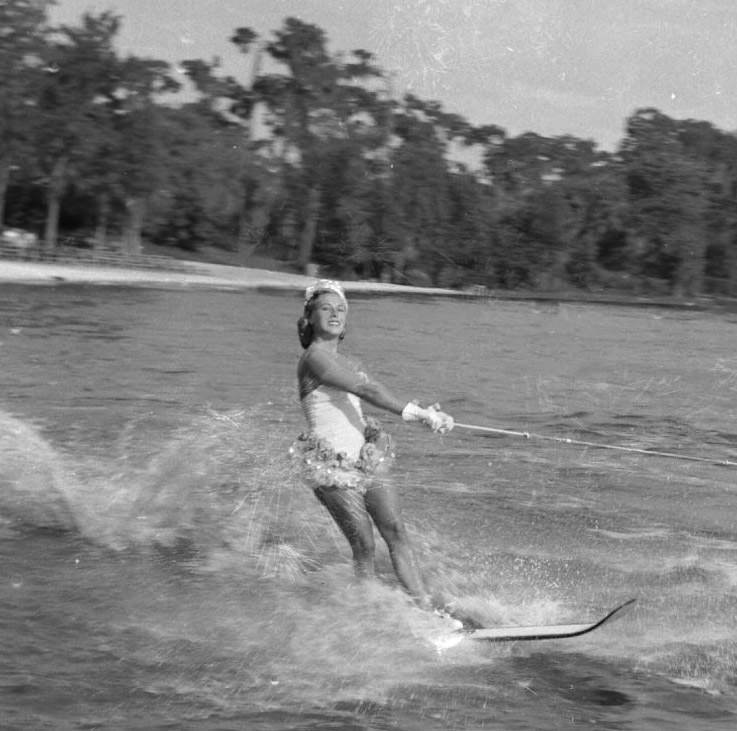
(342, 447)
(335, 416)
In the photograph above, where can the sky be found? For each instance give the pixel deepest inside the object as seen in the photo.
(553, 67)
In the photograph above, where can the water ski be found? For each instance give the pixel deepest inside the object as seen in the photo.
(541, 632)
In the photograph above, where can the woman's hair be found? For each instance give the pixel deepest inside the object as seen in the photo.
(304, 326)
(305, 332)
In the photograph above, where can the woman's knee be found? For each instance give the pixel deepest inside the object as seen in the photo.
(394, 532)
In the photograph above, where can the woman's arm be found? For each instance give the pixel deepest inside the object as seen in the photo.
(331, 372)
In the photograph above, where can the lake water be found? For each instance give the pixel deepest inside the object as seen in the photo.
(163, 566)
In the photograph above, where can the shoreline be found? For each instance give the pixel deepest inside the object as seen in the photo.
(187, 274)
(191, 274)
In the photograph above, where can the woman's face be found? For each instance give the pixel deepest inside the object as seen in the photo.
(329, 315)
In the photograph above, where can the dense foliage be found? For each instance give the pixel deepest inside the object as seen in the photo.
(319, 163)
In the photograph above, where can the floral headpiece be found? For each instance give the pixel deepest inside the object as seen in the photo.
(324, 285)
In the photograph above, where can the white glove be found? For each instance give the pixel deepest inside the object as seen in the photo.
(446, 420)
(431, 416)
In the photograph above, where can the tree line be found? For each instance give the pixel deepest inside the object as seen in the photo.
(313, 159)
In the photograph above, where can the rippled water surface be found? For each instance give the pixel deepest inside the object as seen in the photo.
(163, 566)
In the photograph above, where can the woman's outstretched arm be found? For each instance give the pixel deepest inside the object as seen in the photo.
(331, 372)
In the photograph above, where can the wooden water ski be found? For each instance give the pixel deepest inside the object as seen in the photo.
(540, 632)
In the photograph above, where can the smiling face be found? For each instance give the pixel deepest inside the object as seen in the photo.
(328, 317)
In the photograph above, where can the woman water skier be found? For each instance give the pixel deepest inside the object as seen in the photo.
(344, 452)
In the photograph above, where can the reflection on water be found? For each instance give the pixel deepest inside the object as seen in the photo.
(163, 564)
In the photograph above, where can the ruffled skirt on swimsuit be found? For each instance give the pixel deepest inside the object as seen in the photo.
(324, 467)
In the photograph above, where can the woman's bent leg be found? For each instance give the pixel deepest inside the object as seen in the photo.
(382, 504)
(349, 512)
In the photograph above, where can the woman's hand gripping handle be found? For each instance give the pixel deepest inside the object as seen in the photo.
(431, 416)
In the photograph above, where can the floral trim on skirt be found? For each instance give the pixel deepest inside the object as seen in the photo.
(324, 467)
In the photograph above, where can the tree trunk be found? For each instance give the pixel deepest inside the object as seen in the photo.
(134, 225)
(253, 221)
(689, 275)
(243, 243)
(731, 257)
(246, 242)
(4, 182)
(250, 233)
(55, 190)
(51, 231)
(307, 237)
(103, 218)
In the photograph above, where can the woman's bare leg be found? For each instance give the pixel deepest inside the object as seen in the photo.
(382, 504)
(349, 512)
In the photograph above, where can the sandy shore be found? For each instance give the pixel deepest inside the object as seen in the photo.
(187, 274)
(190, 274)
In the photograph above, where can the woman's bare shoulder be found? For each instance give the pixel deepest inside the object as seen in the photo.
(317, 357)
(315, 362)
